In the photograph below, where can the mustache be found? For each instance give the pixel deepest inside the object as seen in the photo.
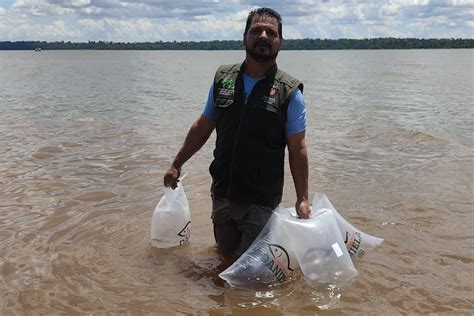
(262, 43)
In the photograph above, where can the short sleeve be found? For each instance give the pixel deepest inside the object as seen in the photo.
(296, 114)
(209, 111)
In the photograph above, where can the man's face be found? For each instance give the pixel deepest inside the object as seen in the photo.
(262, 41)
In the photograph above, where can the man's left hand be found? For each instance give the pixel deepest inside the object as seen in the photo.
(302, 208)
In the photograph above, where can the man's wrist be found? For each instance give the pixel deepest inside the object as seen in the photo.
(302, 198)
(176, 165)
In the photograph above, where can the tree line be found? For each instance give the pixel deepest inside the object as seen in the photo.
(290, 44)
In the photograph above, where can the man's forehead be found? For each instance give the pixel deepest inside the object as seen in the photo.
(264, 19)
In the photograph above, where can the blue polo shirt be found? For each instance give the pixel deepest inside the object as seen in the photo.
(296, 113)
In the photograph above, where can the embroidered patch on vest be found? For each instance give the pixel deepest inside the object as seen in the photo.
(228, 83)
(228, 87)
(269, 100)
(274, 90)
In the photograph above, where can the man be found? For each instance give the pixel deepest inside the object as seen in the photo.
(257, 110)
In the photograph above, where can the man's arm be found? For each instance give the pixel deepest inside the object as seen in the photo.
(197, 136)
(298, 158)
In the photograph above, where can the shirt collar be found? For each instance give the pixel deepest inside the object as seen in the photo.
(270, 74)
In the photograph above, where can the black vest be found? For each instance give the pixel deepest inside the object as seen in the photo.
(249, 157)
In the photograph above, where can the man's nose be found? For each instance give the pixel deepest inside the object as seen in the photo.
(263, 34)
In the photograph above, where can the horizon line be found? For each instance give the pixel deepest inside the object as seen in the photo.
(238, 40)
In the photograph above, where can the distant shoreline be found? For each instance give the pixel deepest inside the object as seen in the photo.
(289, 44)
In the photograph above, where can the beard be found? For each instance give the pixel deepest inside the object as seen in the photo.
(261, 56)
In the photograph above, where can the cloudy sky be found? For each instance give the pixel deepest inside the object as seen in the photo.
(195, 20)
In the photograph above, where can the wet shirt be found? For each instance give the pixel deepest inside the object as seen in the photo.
(296, 113)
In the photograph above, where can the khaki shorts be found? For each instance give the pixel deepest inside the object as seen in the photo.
(237, 225)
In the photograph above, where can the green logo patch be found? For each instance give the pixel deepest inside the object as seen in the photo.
(228, 83)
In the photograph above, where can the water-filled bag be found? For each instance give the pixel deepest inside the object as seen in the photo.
(357, 242)
(171, 220)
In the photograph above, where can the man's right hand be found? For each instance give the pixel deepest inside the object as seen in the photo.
(171, 177)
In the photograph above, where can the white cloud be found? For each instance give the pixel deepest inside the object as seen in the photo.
(291, 32)
(40, 8)
(146, 29)
(80, 3)
(153, 20)
(23, 29)
(91, 10)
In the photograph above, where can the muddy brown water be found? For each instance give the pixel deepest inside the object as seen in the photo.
(86, 136)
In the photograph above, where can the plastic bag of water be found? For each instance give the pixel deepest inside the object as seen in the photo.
(268, 261)
(318, 246)
(286, 243)
(322, 246)
(357, 242)
(171, 220)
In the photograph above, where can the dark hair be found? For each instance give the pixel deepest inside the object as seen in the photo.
(264, 11)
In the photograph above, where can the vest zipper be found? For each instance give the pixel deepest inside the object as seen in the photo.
(250, 97)
(234, 149)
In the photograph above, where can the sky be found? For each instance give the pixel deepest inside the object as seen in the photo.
(199, 20)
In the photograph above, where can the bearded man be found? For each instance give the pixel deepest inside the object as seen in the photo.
(257, 111)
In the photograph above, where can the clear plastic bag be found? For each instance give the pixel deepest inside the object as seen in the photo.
(171, 220)
(318, 247)
(267, 262)
(357, 242)
(322, 246)
(286, 243)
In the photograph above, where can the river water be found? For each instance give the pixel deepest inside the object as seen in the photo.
(86, 136)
